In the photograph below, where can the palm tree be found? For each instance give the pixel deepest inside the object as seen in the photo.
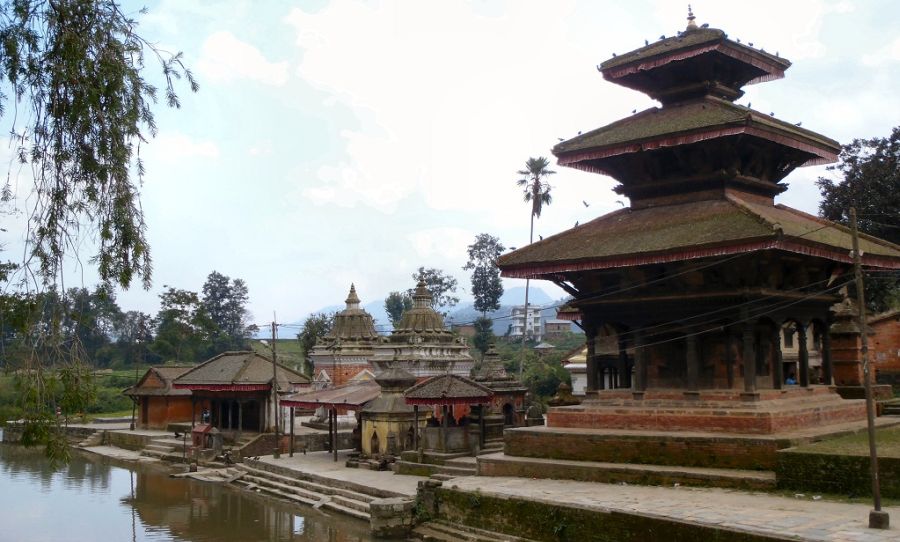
(537, 191)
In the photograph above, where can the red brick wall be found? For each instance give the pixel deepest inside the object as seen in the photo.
(344, 372)
(885, 345)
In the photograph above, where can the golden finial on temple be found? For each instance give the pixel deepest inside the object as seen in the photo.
(691, 24)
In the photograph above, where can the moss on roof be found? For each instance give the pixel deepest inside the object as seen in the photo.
(675, 228)
(687, 40)
(703, 114)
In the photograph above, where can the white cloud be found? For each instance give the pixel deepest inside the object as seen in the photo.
(172, 146)
(261, 148)
(448, 243)
(888, 54)
(223, 57)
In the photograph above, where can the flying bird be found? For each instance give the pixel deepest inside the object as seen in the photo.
(586, 204)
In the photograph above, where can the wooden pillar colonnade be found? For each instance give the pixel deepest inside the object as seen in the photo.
(803, 355)
(826, 354)
(748, 357)
(590, 332)
(693, 362)
(624, 380)
(778, 359)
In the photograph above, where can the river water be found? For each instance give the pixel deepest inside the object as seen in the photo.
(91, 499)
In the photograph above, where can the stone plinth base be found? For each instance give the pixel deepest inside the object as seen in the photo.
(880, 392)
(684, 449)
(712, 411)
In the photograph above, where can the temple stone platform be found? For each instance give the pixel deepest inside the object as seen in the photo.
(720, 438)
(765, 412)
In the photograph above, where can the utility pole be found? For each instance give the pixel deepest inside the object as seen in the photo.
(878, 519)
(277, 453)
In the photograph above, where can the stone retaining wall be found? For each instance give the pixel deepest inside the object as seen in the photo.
(674, 449)
(846, 475)
(555, 523)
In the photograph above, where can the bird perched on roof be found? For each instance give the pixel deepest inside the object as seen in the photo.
(771, 114)
(579, 132)
(633, 111)
(576, 223)
(749, 104)
(541, 237)
(704, 25)
(561, 139)
(662, 36)
(646, 42)
(750, 43)
(614, 55)
(798, 124)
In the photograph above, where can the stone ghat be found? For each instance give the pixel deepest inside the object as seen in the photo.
(791, 411)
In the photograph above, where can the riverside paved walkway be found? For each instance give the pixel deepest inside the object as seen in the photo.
(323, 464)
(784, 517)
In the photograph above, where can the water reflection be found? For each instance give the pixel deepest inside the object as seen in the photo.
(94, 500)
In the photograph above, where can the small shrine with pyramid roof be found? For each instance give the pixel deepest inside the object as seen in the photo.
(699, 274)
(343, 355)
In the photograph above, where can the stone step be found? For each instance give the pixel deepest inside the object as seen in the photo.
(94, 439)
(428, 469)
(265, 483)
(462, 463)
(629, 473)
(442, 477)
(441, 531)
(159, 447)
(314, 487)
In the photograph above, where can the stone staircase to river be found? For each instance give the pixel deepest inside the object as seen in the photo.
(347, 498)
(443, 531)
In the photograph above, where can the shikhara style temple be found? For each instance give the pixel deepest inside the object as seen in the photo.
(700, 273)
(343, 355)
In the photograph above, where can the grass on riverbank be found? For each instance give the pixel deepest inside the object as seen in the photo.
(887, 441)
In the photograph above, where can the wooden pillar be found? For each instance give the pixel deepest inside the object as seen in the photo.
(415, 427)
(624, 373)
(590, 332)
(729, 359)
(445, 423)
(777, 359)
(826, 354)
(693, 362)
(640, 362)
(330, 429)
(481, 424)
(291, 444)
(334, 445)
(748, 358)
(193, 411)
(803, 355)
(240, 427)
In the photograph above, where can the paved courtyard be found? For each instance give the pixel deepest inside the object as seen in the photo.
(791, 518)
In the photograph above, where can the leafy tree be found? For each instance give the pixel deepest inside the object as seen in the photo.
(316, 326)
(487, 288)
(871, 182)
(134, 336)
(75, 66)
(484, 334)
(395, 304)
(184, 329)
(441, 285)
(225, 301)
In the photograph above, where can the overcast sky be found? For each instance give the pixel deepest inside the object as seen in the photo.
(349, 141)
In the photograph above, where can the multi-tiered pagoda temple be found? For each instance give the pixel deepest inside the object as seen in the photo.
(701, 272)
